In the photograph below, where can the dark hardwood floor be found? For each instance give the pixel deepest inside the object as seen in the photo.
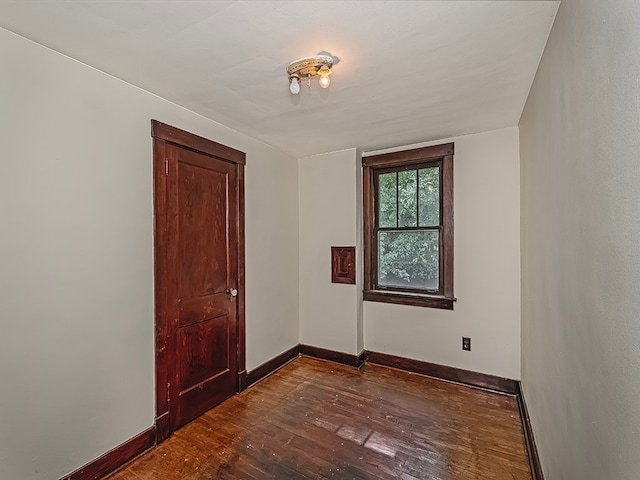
(315, 419)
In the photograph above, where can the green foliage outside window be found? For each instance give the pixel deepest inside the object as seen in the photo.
(409, 257)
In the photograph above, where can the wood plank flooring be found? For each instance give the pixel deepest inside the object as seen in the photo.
(315, 419)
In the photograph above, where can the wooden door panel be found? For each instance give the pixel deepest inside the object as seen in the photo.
(203, 238)
(204, 352)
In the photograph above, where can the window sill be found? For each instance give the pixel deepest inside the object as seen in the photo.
(405, 298)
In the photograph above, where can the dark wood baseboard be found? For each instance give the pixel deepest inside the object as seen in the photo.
(272, 365)
(242, 381)
(529, 440)
(443, 372)
(281, 360)
(333, 355)
(116, 458)
(163, 427)
(361, 359)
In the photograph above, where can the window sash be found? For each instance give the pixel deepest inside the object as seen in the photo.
(376, 262)
(397, 170)
(376, 228)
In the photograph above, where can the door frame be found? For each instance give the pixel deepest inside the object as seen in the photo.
(165, 348)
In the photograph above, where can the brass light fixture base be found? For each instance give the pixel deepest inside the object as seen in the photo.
(309, 66)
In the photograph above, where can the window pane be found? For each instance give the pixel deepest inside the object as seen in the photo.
(407, 198)
(408, 259)
(429, 196)
(387, 200)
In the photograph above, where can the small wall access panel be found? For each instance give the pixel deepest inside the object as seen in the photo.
(343, 265)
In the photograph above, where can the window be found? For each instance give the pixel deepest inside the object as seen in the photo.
(408, 227)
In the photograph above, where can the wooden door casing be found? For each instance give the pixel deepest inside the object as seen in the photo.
(195, 181)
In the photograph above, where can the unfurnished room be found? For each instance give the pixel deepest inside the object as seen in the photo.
(320, 240)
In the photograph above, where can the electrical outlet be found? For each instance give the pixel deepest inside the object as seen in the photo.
(466, 344)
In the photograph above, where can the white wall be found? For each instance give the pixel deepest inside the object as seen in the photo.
(76, 257)
(486, 269)
(580, 140)
(330, 313)
(487, 262)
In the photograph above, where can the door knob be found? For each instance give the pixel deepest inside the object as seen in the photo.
(233, 292)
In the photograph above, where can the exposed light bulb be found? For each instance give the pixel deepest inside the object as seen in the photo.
(324, 81)
(294, 86)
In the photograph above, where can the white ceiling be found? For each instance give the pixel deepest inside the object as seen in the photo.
(409, 71)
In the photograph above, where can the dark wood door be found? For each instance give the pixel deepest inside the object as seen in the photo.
(205, 278)
(198, 338)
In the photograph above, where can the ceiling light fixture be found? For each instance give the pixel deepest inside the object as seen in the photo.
(309, 67)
